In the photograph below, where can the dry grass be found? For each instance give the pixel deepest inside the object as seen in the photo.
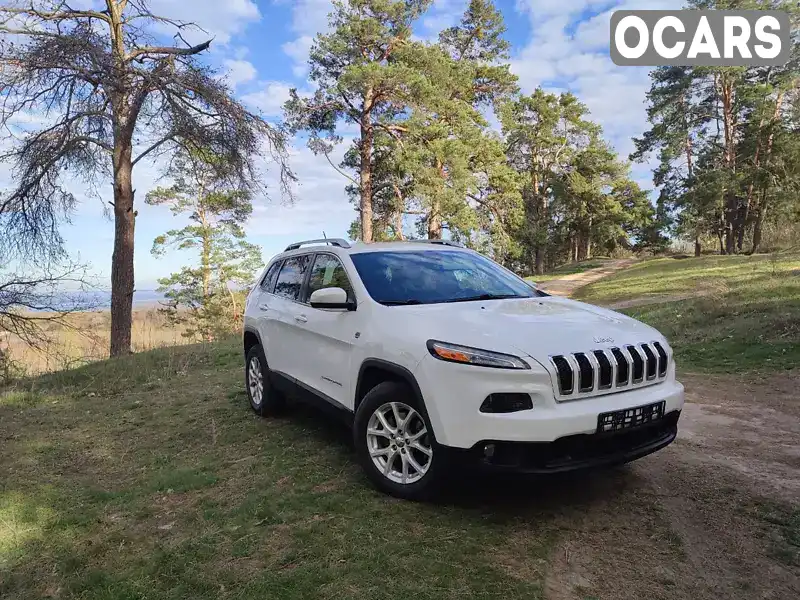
(149, 477)
(84, 338)
(736, 313)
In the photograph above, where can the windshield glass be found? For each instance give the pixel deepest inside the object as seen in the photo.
(431, 276)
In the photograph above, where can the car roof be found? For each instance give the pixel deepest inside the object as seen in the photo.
(361, 248)
(407, 246)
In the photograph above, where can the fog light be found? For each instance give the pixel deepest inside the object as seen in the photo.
(506, 403)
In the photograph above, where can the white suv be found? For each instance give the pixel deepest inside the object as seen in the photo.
(437, 355)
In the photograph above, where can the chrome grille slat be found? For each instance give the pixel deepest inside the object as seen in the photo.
(663, 359)
(614, 367)
(650, 357)
(651, 362)
(621, 357)
(595, 369)
(576, 372)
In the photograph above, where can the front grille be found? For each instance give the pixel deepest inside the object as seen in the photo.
(611, 369)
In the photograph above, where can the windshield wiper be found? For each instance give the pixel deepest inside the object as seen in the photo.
(485, 297)
(401, 302)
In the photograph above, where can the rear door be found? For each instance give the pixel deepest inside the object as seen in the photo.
(260, 306)
(327, 335)
(284, 352)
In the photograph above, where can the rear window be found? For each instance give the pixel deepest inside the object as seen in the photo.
(431, 276)
(292, 275)
(268, 283)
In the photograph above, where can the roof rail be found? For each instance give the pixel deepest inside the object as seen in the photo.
(332, 241)
(440, 242)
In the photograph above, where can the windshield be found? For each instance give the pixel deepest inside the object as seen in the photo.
(431, 276)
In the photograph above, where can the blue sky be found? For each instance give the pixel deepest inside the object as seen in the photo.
(263, 44)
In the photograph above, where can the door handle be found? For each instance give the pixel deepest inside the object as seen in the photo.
(301, 319)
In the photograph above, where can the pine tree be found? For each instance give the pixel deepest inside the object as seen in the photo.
(113, 97)
(360, 79)
(207, 297)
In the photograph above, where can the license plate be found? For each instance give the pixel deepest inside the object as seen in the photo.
(629, 418)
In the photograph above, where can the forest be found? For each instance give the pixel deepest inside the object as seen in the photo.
(437, 138)
(447, 142)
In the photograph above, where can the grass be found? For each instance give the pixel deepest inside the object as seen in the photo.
(785, 545)
(149, 477)
(571, 269)
(721, 313)
(84, 338)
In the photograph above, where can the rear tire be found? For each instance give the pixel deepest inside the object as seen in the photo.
(265, 400)
(395, 444)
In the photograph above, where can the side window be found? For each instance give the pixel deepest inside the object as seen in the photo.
(268, 283)
(328, 272)
(290, 279)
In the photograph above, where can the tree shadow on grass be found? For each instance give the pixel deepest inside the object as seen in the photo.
(468, 489)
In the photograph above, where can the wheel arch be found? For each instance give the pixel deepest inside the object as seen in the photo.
(375, 370)
(251, 338)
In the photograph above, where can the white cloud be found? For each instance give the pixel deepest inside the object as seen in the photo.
(443, 14)
(239, 71)
(309, 17)
(321, 203)
(221, 20)
(270, 98)
(568, 50)
(298, 50)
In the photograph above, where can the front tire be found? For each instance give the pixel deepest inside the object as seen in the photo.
(395, 443)
(264, 399)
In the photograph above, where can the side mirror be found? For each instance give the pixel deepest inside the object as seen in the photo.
(332, 297)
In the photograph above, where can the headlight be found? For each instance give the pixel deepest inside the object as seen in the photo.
(475, 356)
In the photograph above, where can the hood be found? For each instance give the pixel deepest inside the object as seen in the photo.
(537, 327)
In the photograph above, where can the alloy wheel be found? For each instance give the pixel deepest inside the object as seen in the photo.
(255, 381)
(399, 443)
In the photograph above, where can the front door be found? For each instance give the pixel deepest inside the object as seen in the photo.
(327, 335)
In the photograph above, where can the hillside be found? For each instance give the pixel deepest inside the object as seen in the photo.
(149, 477)
(721, 313)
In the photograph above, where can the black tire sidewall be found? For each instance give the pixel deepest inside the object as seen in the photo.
(382, 393)
(270, 400)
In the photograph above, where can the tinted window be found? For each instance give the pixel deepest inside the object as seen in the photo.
(431, 276)
(268, 283)
(328, 272)
(291, 277)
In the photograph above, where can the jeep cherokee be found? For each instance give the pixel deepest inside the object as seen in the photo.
(436, 356)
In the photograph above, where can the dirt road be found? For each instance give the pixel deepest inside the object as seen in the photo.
(566, 286)
(715, 515)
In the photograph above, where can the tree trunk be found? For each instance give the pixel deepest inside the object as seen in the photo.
(367, 134)
(434, 222)
(538, 265)
(759, 225)
(205, 253)
(397, 217)
(234, 305)
(588, 253)
(726, 93)
(122, 276)
(698, 248)
(762, 205)
(435, 214)
(398, 226)
(721, 242)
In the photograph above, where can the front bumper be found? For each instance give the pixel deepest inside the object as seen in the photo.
(570, 453)
(453, 395)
